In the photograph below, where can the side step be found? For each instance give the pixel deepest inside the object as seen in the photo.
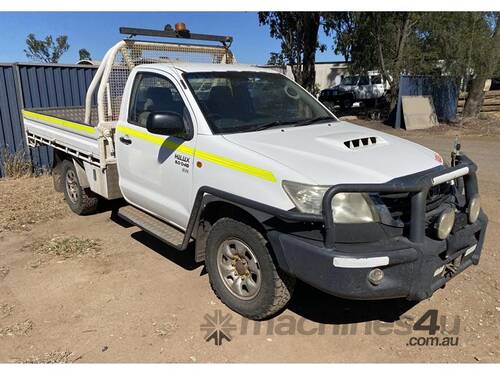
(150, 224)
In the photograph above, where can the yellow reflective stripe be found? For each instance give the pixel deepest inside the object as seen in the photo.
(156, 140)
(59, 121)
(203, 155)
(236, 165)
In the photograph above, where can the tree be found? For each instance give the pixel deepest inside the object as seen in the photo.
(456, 45)
(298, 32)
(373, 40)
(277, 59)
(84, 54)
(46, 50)
(484, 71)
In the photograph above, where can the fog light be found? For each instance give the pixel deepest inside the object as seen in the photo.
(474, 208)
(445, 222)
(375, 276)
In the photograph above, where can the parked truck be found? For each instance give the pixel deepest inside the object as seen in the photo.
(262, 182)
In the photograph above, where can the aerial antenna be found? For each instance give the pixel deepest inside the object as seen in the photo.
(456, 151)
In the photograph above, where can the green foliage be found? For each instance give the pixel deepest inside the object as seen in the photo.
(298, 33)
(84, 54)
(434, 43)
(46, 50)
(277, 59)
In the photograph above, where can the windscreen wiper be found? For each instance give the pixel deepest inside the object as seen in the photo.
(272, 124)
(314, 120)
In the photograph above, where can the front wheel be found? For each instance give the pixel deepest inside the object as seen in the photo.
(242, 272)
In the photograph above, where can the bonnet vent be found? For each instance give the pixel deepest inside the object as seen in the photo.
(360, 142)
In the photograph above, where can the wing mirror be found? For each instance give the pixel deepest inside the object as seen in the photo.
(168, 123)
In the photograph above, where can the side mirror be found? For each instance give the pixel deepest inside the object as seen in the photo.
(167, 123)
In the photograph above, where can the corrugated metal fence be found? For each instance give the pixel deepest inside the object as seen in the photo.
(443, 90)
(37, 85)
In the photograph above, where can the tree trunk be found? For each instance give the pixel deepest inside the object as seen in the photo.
(310, 32)
(403, 35)
(475, 98)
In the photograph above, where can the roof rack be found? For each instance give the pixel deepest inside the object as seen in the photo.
(180, 32)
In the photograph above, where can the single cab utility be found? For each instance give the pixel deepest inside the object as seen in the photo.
(262, 182)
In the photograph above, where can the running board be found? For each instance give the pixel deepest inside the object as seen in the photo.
(154, 226)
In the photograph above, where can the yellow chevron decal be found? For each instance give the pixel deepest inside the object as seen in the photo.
(203, 155)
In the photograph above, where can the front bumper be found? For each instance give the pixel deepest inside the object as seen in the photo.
(414, 265)
(409, 268)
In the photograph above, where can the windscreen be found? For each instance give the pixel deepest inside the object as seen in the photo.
(250, 101)
(350, 80)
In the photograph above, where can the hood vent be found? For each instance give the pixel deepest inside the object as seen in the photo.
(354, 144)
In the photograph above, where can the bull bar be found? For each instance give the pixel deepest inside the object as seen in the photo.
(417, 185)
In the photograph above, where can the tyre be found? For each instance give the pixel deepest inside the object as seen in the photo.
(242, 272)
(347, 103)
(81, 201)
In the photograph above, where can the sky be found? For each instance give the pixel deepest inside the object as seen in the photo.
(98, 31)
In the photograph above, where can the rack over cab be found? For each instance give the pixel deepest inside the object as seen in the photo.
(263, 180)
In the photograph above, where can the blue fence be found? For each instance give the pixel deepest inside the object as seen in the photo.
(37, 85)
(444, 92)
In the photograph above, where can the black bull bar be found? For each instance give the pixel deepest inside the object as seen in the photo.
(417, 185)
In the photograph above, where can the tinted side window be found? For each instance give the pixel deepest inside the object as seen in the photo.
(153, 93)
(363, 80)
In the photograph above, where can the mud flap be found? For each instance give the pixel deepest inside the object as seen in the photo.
(57, 173)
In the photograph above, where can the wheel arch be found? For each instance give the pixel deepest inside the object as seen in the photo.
(213, 209)
(57, 170)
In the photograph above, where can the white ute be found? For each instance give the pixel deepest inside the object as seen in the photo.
(263, 183)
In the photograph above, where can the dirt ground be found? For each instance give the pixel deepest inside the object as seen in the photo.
(92, 289)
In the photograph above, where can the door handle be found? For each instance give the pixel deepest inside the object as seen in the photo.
(125, 139)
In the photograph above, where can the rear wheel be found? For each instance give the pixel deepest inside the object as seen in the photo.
(242, 272)
(81, 201)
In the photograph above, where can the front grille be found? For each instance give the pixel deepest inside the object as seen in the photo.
(399, 204)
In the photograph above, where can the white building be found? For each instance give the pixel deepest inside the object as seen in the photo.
(328, 74)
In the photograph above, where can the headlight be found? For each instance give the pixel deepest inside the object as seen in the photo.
(353, 208)
(346, 207)
(307, 198)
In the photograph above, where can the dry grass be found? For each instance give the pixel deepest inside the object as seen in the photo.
(165, 329)
(67, 247)
(4, 271)
(62, 247)
(486, 124)
(17, 329)
(28, 201)
(6, 310)
(15, 165)
(52, 357)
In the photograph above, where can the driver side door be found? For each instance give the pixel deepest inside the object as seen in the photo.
(155, 171)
